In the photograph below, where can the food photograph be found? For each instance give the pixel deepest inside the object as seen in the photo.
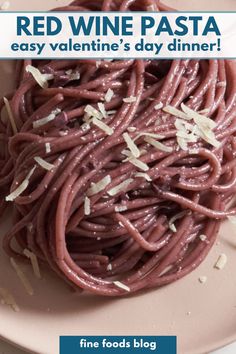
(117, 194)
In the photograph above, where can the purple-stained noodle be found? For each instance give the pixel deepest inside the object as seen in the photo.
(112, 213)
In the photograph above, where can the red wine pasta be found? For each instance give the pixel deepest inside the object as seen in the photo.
(119, 172)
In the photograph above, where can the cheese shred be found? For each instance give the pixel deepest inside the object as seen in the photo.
(151, 135)
(203, 238)
(99, 186)
(109, 267)
(221, 262)
(130, 99)
(87, 207)
(143, 175)
(131, 145)
(44, 164)
(158, 106)
(48, 148)
(176, 112)
(22, 277)
(8, 299)
(40, 122)
(92, 112)
(121, 285)
(174, 218)
(120, 187)
(109, 95)
(34, 262)
(158, 145)
(140, 164)
(22, 187)
(102, 109)
(10, 115)
(202, 279)
(41, 79)
(103, 126)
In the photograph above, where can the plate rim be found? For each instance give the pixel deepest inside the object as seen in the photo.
(202, 350)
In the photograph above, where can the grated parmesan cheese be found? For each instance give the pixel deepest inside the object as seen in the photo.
(110, 113)
(202, 279)
(73, 75)
(143, 175)
(48, 148)
(151, 135)
(172, 227)
(103, 126)
(158, 145)
(174, 218)
(87, 207)
(131, 129)
(44, 164)
(195, 115)
(63, 132)
(130, 99)
(121, 285)
(109, 267)
(5, 6)
(136, 162)
(203, 238)
(176, 112)
(92, 112)
(158, 106)
(183, 129)
(120, 208)
(209, 136)
(193, 151)
(109, 95)
(38, 123)
(131, 145)
(205, 126)
(102, 109)
(41, 79)
(8, 299)
(34, 262)
(166, 270)
(126, 153)
(120, 187)
(10, 115)
(85, 127)
(182, 143)
(21, 188)
(140, 164)
(22, 277)
(221, 262)
(186, 133)
(99, 186)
